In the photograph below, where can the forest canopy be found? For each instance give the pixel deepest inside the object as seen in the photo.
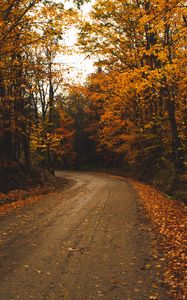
(131, 111)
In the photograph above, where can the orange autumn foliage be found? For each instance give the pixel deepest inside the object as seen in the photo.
(139, 47)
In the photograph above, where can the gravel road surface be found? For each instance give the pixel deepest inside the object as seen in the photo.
(90, 241)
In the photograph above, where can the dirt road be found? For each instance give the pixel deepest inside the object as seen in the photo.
(91, 241)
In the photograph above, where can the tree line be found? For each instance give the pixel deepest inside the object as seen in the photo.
(136, 101)
(31, 37)
(131, 111)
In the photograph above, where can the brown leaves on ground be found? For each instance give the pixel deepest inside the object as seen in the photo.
(19, 198)
(169, 217)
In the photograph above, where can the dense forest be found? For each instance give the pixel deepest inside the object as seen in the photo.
(130, 114)
(84, 235)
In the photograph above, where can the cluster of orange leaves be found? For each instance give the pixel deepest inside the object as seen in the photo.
(169, 217)
(20, 198)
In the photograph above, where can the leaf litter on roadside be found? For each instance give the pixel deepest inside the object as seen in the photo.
(169, 216)
(19, 198)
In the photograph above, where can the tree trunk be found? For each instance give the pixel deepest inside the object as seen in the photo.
(5, 131)
(50, 117)
(178, 155)
(26, 150)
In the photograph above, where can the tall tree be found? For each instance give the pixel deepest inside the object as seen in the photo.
(28, 27)
(140, 46)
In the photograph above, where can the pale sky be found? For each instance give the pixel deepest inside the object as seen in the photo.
(79, 66)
